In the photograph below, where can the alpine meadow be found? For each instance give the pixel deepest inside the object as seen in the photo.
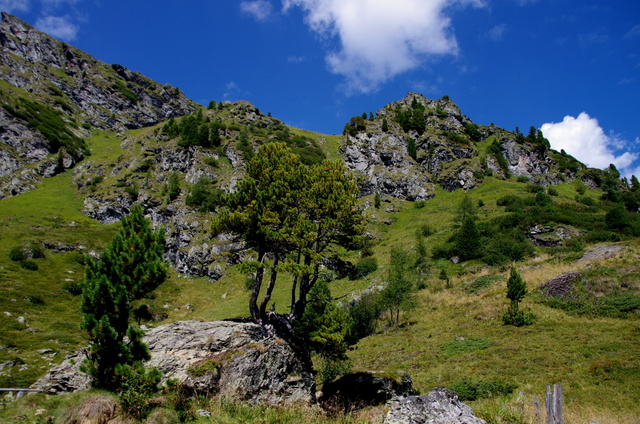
(162, 261)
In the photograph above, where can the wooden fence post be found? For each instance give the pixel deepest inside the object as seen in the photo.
(553, 402)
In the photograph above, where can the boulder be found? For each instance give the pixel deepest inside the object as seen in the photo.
(440, 406)
(93, 410)
(240, 360)
(357, 390)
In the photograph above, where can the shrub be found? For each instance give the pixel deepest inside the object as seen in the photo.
(363, 314)
(522, 179)
(29, 265)
(17, 254)
(35, 300)
(534, 188)
(552, 191)
(74, 288)
(481, 283)
(516, 290)
(363, 267)
(508, 200)
(469, 390)
(426, 230)
(137, 386)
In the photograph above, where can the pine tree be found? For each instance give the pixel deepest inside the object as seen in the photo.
(398, 295)
(294, 215)
(130, 267)
(467, 240)
(516, 291)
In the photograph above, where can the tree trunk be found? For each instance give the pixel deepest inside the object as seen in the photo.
(255, 292)
(267, 295)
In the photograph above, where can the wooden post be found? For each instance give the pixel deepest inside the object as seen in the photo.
(553, 402)
(548, 401)
(536, 404)
(557, 407)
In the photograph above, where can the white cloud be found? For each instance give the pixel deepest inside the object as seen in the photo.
(379, 39)
(259, 9)
(11, 6)
(584, 139)
(58, 26)
(497, 32)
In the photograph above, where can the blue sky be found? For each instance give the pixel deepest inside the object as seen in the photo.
(570, 67)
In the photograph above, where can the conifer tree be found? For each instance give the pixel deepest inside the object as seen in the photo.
(516, 291)
(130, 267)
(291, 216)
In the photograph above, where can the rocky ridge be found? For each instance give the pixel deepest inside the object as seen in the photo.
(82, 91)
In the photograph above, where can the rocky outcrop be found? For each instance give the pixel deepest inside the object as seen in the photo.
(440, 406)
(385, 167)
(548, 236)
(362, 389)
(105, 96)
(242, 361)
(528, 161)
(83, 91)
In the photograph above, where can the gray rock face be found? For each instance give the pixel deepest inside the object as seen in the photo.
(238, 360)
(440, 406)
(385, 166)
(525, 161)
(97, 89)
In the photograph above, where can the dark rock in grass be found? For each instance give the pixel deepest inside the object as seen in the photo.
(358, 390)
(440, 406)
(560, 286)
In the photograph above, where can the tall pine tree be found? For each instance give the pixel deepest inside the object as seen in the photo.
(130, 267)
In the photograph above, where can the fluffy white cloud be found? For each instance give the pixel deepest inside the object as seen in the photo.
(259, 9)
(58, 26)
(379, 39)
(10, 6)
(584, 139)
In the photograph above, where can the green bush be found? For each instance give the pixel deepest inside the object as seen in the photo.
(137, 386)
(363, 267)
(17, 254)
(29, 265)
(481, 283)
(469, 390)
(74, 288)
(363, 314)
(35, 300)
(535, 188)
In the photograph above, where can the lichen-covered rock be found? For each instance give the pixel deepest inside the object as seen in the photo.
(440, 406)
(93, 410)
(239, 360)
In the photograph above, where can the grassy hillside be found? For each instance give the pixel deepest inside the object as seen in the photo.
(454, 337)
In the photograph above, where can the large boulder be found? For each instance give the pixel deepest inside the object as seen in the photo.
(440, 406)
(239, 360)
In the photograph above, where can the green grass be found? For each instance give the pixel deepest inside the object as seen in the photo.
(50, 215)
(456, 331)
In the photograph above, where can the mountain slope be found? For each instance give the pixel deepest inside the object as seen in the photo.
(54, 94)
(416, 161)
